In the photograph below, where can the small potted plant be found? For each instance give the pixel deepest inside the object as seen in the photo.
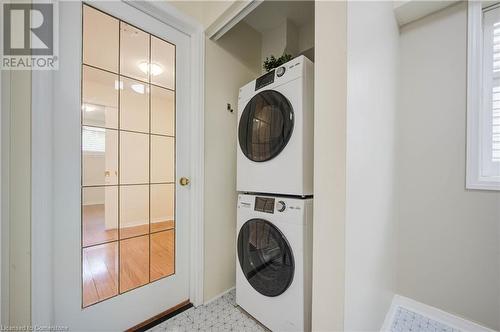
(272, 62)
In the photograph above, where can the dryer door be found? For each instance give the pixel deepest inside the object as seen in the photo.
(265, 256)
(266, 125)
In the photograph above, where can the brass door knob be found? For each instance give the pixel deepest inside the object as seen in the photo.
(184, 181)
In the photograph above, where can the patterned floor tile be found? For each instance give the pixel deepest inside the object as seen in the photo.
(408, 321)
(220, 315)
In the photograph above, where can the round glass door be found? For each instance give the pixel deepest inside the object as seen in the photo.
(266, 126)
(265, 257)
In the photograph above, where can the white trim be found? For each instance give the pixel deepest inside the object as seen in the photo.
(430, 312)
(474, 99)
(5, 181)
(4, 190)
(231, 16)
(197, 167)
(42, 177)
(216, 297)
(41, 198)
(2, 270)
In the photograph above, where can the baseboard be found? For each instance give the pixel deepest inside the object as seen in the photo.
(161, 317)
(218, 296)
(432, 313)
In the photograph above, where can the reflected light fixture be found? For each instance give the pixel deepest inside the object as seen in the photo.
(139, 88)
(88, 107)
(145, 66)
(118, 84)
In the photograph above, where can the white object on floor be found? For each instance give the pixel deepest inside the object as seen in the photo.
(407, 320)
(273, 272)
(220, 314)
(407, 315)
(275, 131)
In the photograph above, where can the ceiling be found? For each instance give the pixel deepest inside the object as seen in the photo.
(270, 14)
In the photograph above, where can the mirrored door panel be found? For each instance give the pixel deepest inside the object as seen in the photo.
(127, 157)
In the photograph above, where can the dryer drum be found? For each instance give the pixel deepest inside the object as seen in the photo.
(266, 126)
(265, 257)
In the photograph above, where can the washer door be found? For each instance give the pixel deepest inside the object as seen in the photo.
(266, 126)
(265, 257)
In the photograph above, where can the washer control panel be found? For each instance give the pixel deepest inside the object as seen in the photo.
(264, 204)
(272, 205)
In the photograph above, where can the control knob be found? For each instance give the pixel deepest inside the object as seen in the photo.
(281, 206)
(280, 71)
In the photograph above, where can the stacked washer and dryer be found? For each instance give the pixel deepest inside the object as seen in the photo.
(275, 182)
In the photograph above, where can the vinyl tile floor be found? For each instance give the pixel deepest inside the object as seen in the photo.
(220, 315)
(408, 321)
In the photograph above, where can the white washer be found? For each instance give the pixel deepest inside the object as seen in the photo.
(275, 131)
(274, 249)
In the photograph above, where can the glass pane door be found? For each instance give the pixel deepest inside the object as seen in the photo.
(127, 157)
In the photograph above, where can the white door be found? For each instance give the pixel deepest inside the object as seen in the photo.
(121, 145)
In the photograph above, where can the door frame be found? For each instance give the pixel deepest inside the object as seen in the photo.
(42, 205)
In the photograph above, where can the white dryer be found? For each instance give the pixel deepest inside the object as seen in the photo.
(275, 131)
(274, 249)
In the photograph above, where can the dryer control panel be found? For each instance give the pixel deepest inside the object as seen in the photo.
(264, 80)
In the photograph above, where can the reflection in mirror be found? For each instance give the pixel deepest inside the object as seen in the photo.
(100, 272)
(134, 262)
(162, 159)
(162, 111)
(128, 157)
(134, 52)
(134, 210)
(100, 98)
(162, 207)
(134, 158)
(99, 215)
(162, 63)
(134, 105)
(162, 254)
(99, 156)
(100, 39)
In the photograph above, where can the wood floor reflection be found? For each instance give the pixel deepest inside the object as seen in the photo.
(162, 254)
(94, 227)
(100, 272)
(134, 263)
(100, 265)
(95, 230)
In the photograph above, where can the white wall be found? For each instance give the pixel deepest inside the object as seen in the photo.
(16, 173)
(449, 237)
(371, 109)
(306, 36)
(204, 11)
(287, 38)
(230, 63)
(282, 39)
(274, 40)
(225, 73)
(330, 84)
